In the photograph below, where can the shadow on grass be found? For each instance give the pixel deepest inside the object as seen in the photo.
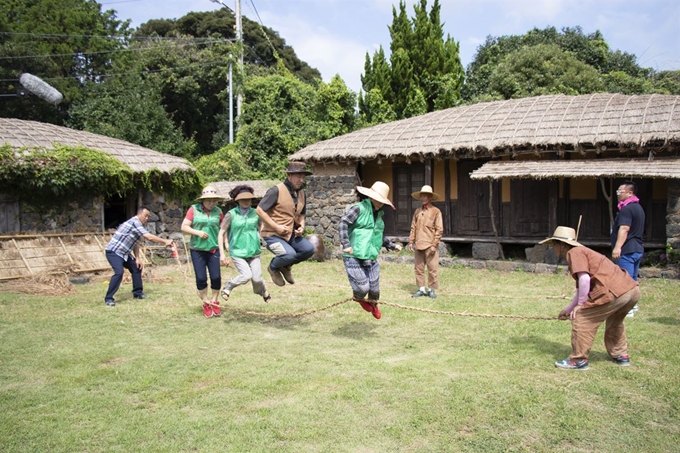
(546, 347)
(666, 320)
(279, 322)
(356, 330)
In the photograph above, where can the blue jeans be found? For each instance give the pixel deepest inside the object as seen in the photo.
(290, 252)
(118, 264)
(206, 260)
(630, 262)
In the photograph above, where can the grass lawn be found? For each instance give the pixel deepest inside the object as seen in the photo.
(155, 375)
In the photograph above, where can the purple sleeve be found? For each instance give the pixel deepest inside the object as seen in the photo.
(581, 292)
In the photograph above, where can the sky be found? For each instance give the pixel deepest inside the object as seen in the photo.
(334, 36)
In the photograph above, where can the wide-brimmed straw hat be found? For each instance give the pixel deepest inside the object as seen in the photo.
(425, 190)
(378, 192)
(210, 193)
(297, 167)
(563, 234)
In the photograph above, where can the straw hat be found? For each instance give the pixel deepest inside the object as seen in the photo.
(378, 192)
(563, 234)
(425, 190)
(245, 195)
(209, 193)
(297, 167)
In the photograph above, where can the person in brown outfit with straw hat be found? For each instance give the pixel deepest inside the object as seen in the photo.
(202, 222)
(282, 210)
(427, 229)
(361, 235)
(604, 293)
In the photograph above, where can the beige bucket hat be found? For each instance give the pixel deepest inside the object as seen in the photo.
(425, 190)
(563, 234)
(378, 192)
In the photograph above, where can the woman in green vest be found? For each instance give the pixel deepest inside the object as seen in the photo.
(361, 234)
(202, 222)
(241, 226)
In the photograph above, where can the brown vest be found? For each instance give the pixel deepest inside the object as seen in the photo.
(284, 212)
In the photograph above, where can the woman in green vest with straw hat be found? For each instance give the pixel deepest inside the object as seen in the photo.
(241, 226)
(361, 234)
(202, 222)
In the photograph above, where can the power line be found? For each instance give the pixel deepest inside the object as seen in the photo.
(114, 37)
(118, 74)
(140, 49)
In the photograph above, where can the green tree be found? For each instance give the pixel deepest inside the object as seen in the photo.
(64, 42)
(542, 69)
(225, 164)
(335, 109)
(256, 39)
(129, 108)
(590, 49)
(424, 71)
(277, 120)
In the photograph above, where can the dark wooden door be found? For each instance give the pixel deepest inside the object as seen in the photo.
(530, 206)
(473, 216)
(408, 178)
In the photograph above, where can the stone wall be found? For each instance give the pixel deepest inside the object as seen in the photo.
(86, 216)
(76, 217)
(328, 195)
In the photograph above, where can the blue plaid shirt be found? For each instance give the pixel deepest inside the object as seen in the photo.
(125, 237)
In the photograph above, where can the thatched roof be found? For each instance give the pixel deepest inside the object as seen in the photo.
(32, 134)
(260, 187)
(504, 127)
(592, 168)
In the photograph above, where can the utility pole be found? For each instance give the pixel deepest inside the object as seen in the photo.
(238, 26)
(239, 39)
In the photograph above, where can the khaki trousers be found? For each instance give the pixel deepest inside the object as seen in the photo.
(424, 258)
(587, 321)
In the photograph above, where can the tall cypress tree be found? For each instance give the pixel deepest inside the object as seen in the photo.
(424, 70)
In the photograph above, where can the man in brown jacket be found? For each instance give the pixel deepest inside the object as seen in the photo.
(427, 228)
(282, 210)
(604, 293)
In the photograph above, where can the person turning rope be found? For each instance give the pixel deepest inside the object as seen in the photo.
(361, 235)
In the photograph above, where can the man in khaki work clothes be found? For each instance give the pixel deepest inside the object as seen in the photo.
(282, 210)
(427, 228)
(604, 293)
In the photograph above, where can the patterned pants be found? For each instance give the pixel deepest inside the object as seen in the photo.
(364, 277)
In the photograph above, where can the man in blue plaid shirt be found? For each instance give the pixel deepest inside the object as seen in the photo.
(122, 252)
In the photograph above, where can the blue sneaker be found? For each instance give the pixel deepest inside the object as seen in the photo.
(431, 294)
(419, 293)
(622, 360)
(567, 364)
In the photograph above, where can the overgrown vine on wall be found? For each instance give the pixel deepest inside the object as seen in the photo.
(66, 173)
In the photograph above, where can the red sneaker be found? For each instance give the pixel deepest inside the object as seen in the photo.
(365, 305)
(215, 305)
(207, 310)
(376, 311)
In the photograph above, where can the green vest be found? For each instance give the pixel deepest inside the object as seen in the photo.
(244, 239)
(366, 234)
(210, 225)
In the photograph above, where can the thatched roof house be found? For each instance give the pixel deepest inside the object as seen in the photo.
(154, 174)
(558, 122)
(21, 134)
(543, 156)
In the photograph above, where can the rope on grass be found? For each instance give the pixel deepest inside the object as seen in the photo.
(390, 304)
(472, 315)
(284, 315)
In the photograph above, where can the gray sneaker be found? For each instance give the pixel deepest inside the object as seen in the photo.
(431, 294)
(419, 293)
(277, 278)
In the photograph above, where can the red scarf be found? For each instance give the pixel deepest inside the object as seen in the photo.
(633, 199)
